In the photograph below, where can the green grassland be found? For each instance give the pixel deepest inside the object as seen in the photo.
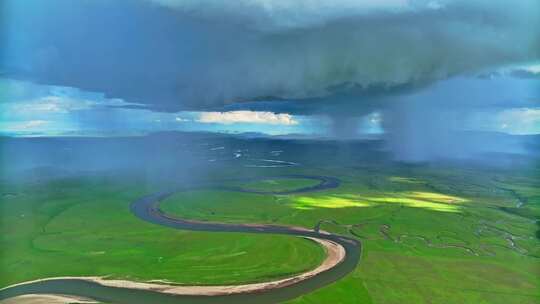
(430, 234)
(279, 184)
(83, 227)
(445, 235)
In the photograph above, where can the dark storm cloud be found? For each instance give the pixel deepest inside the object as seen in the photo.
(204, 54)
(345, 60)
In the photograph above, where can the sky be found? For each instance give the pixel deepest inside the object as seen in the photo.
(412, 72)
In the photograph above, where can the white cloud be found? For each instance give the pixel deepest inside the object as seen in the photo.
(25, 125)
(41, 105)
(522, 115)
(34, 124)
(180, 119)
(518, 121)
(58, 105)
(375, 118)
(55, 104)
(533, 68)
(247, 117)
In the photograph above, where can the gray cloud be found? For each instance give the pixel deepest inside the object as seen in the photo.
(345, 60)
(193, 57)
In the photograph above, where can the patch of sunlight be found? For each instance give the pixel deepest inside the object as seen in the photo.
(436, 197)
(408, 180)
(346, 201)
(416, 203)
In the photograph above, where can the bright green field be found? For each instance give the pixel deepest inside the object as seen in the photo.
(447, 235)
(86, 224)
(429, 235)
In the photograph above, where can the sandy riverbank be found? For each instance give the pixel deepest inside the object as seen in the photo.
(47, 299)
(335, 254)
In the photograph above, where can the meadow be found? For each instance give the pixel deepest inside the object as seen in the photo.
(445, 233)
(83, 227)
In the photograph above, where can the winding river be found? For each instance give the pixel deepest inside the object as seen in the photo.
(147, 209)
